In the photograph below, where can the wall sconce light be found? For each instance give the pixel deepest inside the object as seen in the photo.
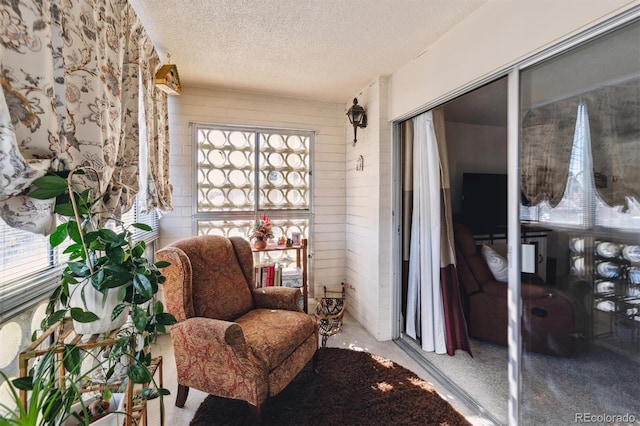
(358, 118)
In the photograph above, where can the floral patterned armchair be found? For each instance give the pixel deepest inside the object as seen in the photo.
(232, 340)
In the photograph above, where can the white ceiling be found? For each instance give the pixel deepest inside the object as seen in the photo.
(313, 49)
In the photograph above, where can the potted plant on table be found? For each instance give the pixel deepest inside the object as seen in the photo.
(261, 231)
(105, 266)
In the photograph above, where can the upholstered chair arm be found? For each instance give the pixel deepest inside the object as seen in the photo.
(213, 356)
(202, 332)
(286, 298)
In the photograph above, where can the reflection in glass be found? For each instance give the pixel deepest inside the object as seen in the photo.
(607, 249)
(604, 287)
(607, 269)
(631, 253)
(580, 150)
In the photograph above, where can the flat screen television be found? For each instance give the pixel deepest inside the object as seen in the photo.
(484, 202)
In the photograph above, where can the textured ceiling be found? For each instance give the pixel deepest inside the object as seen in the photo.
(316, 49)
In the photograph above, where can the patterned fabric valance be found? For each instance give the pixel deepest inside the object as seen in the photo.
(614, 136)
(547, 140)
(614, 124)
(70, 74)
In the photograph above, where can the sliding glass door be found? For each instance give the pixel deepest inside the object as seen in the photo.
(579, 163)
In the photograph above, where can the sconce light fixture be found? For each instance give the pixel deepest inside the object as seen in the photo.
(167, 79)
(358, 118)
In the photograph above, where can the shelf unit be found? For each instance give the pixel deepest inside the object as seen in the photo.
(63, 332)
(301, 262)
(615, 280)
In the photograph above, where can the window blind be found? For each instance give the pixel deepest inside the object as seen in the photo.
(30, 269)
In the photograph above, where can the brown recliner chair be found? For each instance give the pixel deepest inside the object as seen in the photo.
(232, 340)
(548, 319)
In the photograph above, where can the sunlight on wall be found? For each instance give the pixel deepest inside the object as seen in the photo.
(15, 335)
(11, 338)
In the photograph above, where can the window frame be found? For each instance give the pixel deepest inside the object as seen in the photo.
(274, 214)
(517, 391)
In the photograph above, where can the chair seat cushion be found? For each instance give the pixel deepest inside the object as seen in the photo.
(274, 334)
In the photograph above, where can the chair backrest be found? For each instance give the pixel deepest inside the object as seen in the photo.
(210, 276)
(473, 270)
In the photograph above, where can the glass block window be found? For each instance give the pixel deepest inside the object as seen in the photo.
(284, 172)
(243, 173)
(241, 228)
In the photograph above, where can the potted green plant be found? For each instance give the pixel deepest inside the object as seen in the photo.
(53, 398)
(103, 258)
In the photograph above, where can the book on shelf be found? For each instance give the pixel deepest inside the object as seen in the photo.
(270, 275)
(278, 275)
(267, 275)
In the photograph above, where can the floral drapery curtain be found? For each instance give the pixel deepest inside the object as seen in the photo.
(155, 130)
(70, 73)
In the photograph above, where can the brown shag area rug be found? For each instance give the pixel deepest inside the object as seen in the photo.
(352, 388)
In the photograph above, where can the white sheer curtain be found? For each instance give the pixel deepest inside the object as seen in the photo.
(425, 311)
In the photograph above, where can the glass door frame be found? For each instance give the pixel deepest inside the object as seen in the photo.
(512, 72)
(513, 170)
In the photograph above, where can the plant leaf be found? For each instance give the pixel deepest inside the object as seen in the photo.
(59, 235)
(64, 209)
(109, 235)
(142, 226)
(23, 383)
(116, 254)
(139, 318)
(165, 318)
(162, 264)
(83, 316)
(139, 374)
(106, 394)
(48, 186)
(79, 268)
(138, 251)
(117, 279)
(97, 279)
(90, 237)
(143, 286)
(71, 248)
(53, 299)
(74, 233)
(117, 311)
(55, 317)
(116, 269)
(53, 405)
(72, 358)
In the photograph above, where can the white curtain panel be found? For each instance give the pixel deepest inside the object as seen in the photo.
(425, 312)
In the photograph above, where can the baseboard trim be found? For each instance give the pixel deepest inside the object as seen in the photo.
(447, 383)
